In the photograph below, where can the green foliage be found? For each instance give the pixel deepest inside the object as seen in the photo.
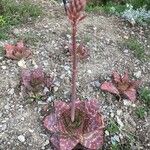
(140, 112)
(2, 21)
(112, 127)
(109, 7)
(145, 96)
(139, 3)
(136, 47)
(13, 13)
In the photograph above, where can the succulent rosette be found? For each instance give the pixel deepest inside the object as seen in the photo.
(87, 128)
(121, 85)
(17, 51)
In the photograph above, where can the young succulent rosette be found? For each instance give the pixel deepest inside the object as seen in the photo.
(17, 51)
(121, 85)
(34, 80)
(87, 128)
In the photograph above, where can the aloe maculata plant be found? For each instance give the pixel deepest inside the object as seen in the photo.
(121, 86)
(17, 51)
(76, 122)
(35, 80)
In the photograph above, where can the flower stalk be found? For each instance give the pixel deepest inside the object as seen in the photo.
(74, 71)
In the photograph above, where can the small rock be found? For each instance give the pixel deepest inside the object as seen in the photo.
(62, 76)
(55, 88)
(50, 98)
(21, 138)
(22, 63)
(116, 137)
(4, 67)
(11, 92)
(112, 115)
(89, 71)
(6, 107)
(96, 84)
(16, 31)
(119, 112)
(57, 83)
(106, 132)
(67, 68)
(4, 126)
(126, 102)
(137, 74)
(120, 122)
(126, 37)
(41, 103)
(46, 90)
(126, 51)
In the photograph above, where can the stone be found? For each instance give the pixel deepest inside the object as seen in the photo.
(4, 67)
(138, 74)
(21, 138)
(106, 132)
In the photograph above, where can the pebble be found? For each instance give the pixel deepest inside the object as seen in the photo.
(11, 92)
(50, 98)
(106, 132)
(55, 88)
(6, 107)
(21, 138)
(116, 137)
(46, 90)
(119, 112)
(120, 122)
(4, 67)
(89, 71)
(126, 51)
(126, 102)
(67, 68)
(138, 74)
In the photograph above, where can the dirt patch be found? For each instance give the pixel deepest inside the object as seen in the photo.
(21, 123)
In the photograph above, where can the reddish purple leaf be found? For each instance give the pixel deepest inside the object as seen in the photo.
(67, 143)
(116, 77)
(108, 86)
(130, 93)
(37, 75)
(93, 140)
(82, 52)
(26, 77)
(55, 140)
(125, 77)
(60, 107)
(50, 122)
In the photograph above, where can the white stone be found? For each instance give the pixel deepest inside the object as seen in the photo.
(89, 71)
(127, 102)
(4, 67)
(21, 138)
(11, 92)
(55, 88)
(106, 132)
(22, 63)
(120, 122)
(119, 112)
(138, 74)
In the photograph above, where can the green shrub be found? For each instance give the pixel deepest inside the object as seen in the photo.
(13, 13)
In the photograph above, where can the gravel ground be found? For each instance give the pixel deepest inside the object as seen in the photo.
(21, 123)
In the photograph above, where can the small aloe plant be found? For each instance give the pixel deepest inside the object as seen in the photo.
(34, 80)
(121, 86)
(76, 122)
(17, 51)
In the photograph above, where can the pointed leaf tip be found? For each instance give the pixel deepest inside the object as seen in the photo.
(109, 87)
